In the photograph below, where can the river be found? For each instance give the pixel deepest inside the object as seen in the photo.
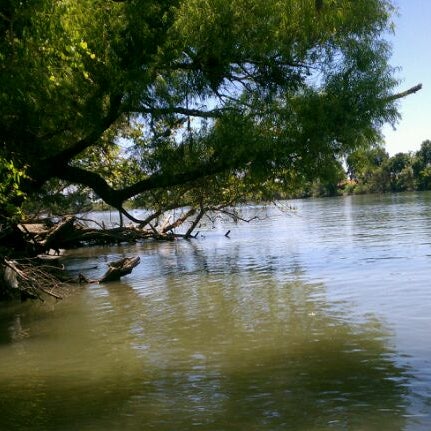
(315, 317)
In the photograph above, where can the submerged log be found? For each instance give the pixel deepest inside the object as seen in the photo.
(116, 270)
(119, 268)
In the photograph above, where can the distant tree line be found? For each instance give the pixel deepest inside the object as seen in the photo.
(372, 170)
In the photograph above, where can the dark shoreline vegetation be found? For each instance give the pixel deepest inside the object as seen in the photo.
(204, 105)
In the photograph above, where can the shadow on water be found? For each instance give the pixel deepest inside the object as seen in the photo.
(216, 356)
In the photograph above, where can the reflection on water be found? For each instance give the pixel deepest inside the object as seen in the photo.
(259, 332)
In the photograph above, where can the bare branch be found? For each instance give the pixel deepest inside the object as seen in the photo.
(144, 222)
(179, 221)
(202, 212)
(406, 93)
(237, 218)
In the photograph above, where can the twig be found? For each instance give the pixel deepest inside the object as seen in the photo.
(101, 225)
(34, 278)
(50, 293)
(236, 217)
(179, 221)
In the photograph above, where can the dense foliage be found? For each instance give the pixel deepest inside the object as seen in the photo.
(373, 171)
(175, 102)
(10, 193)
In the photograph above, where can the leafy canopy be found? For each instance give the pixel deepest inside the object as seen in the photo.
(177, 102)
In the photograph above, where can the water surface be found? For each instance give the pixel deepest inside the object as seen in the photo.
(316, 318)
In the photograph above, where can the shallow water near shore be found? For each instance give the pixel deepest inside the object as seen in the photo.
(311, 318)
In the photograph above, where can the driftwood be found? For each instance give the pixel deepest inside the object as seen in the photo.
(73, 232)
(70, 233)
(39, 274)
(115, 271)
(119, 268)
(32, 278)
(34, 273)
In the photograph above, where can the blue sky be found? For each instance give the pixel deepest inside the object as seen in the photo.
(412, 52)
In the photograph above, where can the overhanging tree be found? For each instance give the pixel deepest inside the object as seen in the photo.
(185, 102)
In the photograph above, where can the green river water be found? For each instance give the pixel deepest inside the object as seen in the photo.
(316, 318)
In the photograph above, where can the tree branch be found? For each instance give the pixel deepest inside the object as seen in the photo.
(58, 160)
(167, 179)
(411, 90)
(93, 180)
(214, 113)
(116, 197)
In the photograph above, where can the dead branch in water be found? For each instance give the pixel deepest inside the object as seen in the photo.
(36, 277)
(116, 270)
(32, 279)
(119, 268)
